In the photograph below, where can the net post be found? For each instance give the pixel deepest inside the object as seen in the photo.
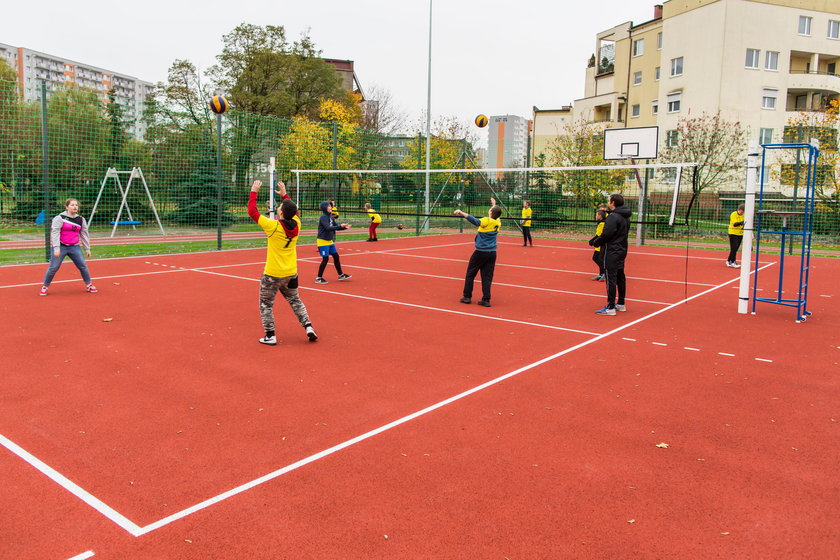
(749, 216)
(676, 195)
(271, 181)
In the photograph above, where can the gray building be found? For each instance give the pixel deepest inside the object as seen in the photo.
(33, 67)
(507, 145)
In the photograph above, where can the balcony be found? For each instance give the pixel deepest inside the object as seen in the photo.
(813, 81)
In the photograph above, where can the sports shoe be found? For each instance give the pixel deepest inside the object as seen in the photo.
(599, 278)
(462, 300)
(605, 311)
(620, 307)
(483, 303)
(345, 276)
(320, 280)
(91, 288)
(43, 291)
(270, 340)
(731, 264)
(310, 332)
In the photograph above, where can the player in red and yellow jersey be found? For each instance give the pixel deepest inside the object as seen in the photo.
(280, 272)
(375, 220)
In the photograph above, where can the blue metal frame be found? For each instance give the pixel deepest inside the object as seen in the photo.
(808, 202)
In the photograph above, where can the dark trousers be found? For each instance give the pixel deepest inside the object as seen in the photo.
(526, 235)
(734, 245)
(616, 281)
(598, 258)
(486, 263)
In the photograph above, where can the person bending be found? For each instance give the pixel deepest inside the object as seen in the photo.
(326, 242)
(483, 258)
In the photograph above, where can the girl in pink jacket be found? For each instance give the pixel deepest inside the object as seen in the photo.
(69, 236)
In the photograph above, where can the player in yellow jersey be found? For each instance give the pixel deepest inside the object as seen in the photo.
(375, 220)
(526, 223)
(484, 257)
(736, 235)
(280, 272)
(598, 255)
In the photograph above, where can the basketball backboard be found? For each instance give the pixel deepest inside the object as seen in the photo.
(637, 143)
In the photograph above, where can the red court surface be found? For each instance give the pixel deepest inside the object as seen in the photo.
(146, 422)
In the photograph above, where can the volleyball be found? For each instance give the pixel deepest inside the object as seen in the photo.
(481, 121)
(219, 104)
(400, 226)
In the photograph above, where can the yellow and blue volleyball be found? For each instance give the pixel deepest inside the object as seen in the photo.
(219, 104)
(481, 121)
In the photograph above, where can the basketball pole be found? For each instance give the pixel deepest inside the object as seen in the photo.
(749, 220)
(428, 121)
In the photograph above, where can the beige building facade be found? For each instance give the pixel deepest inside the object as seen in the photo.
(759, 62)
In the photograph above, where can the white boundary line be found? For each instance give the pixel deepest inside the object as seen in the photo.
(83, 556)
(137, 531)
(71, 486)
(414, 305)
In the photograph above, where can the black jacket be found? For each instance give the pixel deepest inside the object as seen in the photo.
(614, 236)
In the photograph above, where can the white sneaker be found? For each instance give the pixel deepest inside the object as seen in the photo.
(310, 332)
(619, 307)
(270, 340)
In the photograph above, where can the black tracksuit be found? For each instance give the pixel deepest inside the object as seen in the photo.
(613, 243)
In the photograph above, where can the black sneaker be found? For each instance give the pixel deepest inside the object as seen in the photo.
(320, 280)
(344, 276)
(483, 303)
(310, 332)
(465, 300)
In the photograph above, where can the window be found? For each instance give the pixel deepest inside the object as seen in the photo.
(771, 60)
(635, 111)
(671, 138)
(639, 47)
(765, 136)
(833, 29)
(677, 66)
(659, 40)
(768, 98)
(637, 78)
(654, 108)
(804, 25)
(674, 102)
(656, 73)
(752, 58)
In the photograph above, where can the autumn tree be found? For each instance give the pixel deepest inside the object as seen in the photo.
(717, 145)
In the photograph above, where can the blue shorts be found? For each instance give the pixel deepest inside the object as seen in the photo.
(326, 250)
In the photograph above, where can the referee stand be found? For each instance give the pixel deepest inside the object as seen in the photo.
(797, 223)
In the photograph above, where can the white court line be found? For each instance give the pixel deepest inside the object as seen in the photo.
(134, 530)
(690, 348)
(83, 555)
(630, 339)
(764, 360)
(726, 354)
(553, 290)
(680, 282)
(659, 343)
(414, 305)
(404, 419)
(71, 486)
(96, 279)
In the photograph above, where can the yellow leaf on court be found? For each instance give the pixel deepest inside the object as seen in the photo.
(107, 319)
(662, 445)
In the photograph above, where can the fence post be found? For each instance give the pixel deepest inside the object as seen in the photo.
(46, 154)
(219, 205)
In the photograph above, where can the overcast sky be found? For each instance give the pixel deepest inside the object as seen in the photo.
(491, 56)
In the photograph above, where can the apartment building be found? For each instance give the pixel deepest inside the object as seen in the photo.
(33, 67)
(759, 62)
(547, 125)
(507, 145)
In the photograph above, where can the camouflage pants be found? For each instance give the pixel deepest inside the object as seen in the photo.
(288, 286)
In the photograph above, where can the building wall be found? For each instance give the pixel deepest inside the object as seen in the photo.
(712, 37)
(508, 141)
(548, 125)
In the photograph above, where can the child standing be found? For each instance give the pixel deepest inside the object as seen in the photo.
(736, 236)
(526, 223)
(280, 274)
(69, 232)
(484, 257)
(597, 256)
(326, 242)
(375, 220)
